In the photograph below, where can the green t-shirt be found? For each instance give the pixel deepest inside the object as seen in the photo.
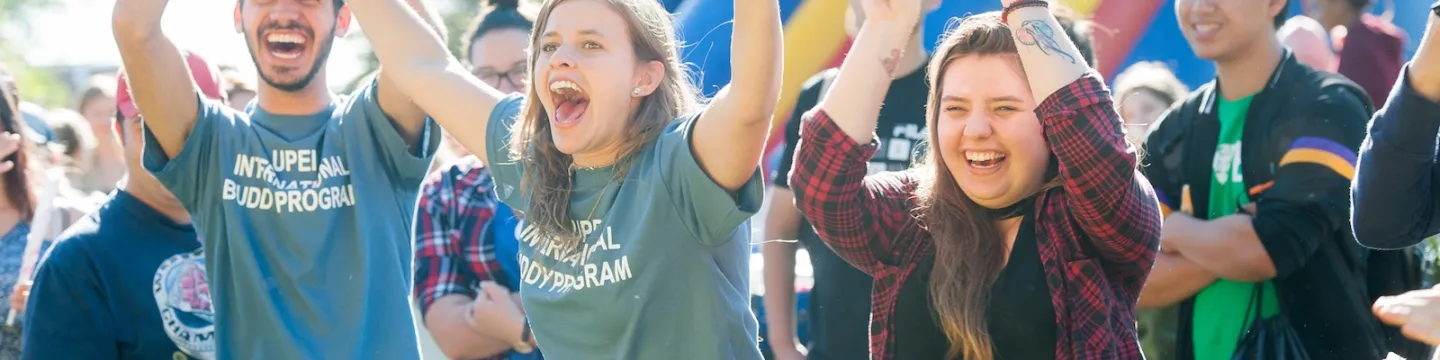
(665, 268)
(1221, 309)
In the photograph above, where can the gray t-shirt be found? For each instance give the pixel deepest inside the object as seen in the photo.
(664, 272)
(305, 222)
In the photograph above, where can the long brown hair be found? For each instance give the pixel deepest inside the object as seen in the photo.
(547, 170)
(969, 252)
(16, 182)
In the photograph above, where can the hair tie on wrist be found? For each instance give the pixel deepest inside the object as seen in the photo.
(1005, 15)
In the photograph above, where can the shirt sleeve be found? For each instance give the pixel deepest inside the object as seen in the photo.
(505, 171)
(1396, 176)
(66, 316)
(405, 166)
(1108, 198)
(451, 203)
(809, 97)
(193, 175)
(859, 217)
(1310, 199)
(710, 212)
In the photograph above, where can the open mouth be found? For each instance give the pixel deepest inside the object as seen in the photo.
(570, 102)
(1204, 29)
(984, 159)
(285, 45)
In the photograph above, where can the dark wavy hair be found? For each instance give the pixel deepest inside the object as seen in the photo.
(501, 15)
(16, 181)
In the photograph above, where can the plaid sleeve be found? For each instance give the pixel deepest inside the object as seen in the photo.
(859, 217)
(452, 202)
(1109, 199)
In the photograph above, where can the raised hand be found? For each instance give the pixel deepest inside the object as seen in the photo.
(891, 10)
(19, 295)
(1417, 313)
(493, 312)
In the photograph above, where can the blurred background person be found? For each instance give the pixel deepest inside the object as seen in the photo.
(97, 104)
(238, 89)
(1371, 48)
(1309, 41)
(1143, 92)
(74, 144)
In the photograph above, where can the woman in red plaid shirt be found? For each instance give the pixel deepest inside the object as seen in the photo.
(1026, 234)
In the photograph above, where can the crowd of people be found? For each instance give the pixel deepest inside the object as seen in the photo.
(562, 190)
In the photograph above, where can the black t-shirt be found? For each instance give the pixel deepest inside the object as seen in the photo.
(840, 301)
(1020, 315)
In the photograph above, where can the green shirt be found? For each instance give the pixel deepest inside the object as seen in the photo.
(1221, 309)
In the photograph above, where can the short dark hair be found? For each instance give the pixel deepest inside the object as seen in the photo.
(1284, 14)
(503, 14)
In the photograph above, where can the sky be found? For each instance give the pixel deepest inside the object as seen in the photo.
(77, 32)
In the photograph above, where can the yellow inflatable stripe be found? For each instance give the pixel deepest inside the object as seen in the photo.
(1165, 210)
(1320, 157)
(813, 36)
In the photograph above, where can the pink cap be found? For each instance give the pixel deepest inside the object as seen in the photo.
(207, 78)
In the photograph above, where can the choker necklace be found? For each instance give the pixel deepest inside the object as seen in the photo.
(1014, 210)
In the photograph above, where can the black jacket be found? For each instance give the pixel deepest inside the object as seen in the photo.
(1297, 157)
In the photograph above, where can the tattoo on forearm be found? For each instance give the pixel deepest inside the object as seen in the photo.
(891, 61)
(1039, 34)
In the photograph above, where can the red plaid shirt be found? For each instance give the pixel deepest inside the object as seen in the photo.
(1098, 233)
(455, 206)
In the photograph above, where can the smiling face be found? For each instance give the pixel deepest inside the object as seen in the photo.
(987, 132)
(290, 40)
(585, 75)
(1219, 30)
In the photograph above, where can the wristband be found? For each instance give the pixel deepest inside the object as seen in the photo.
(1005, 15)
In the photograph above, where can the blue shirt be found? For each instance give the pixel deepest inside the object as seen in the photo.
(1397, 175)
(306, 226)
(125, 282)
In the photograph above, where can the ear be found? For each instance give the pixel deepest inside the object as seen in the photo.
(342, 21)
(1277, 7)
(239, 27)
(648, 76)
(931, 5)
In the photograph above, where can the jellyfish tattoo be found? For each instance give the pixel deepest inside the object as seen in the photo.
(1040, 35)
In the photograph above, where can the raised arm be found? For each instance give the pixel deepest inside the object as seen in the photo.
(416, 60)
(737, 122)
(408, 117)
(1108, 198)
(860, 217)
(158, 76)
(1396, 178)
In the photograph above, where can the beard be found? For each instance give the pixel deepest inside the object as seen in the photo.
(322, 55)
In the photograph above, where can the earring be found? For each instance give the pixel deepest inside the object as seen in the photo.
(636, 92)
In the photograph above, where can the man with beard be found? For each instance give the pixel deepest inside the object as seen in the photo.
(128, 281)
(304, 200)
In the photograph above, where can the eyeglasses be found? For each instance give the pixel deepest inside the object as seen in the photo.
(515, 76)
